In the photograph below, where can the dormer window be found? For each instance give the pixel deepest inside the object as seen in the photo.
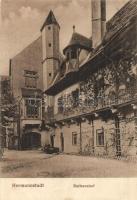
(67, 55)
(73, 54)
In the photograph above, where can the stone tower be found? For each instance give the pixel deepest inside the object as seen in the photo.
(50, 48)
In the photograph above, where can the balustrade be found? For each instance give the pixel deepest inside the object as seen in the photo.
(95, 104)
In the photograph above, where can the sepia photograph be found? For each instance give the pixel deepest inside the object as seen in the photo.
(68, 89)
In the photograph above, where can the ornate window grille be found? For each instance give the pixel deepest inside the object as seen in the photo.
(32, 108)
(30, 79)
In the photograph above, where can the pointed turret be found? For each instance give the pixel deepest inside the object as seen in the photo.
(78, 40)
(77, 45)
(50, 20)
(50, 50)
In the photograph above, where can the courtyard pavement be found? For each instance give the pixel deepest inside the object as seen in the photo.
(36, 164)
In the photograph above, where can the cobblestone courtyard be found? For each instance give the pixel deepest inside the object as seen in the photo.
(36, 164)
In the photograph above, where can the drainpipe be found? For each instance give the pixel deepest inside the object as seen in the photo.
(80, 136)
(134, 106)
(18, 124)
(93, 144)
(19, 142)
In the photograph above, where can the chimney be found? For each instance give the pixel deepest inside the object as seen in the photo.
(98, 21)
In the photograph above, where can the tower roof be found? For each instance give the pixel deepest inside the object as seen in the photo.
(50, 20)
(80, 40)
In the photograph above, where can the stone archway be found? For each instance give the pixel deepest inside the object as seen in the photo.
(31, 140)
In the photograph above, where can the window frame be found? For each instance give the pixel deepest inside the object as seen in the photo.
(32, 108)
(60, 105)
(30, 78)
(100, 143)
(74, 138)
(74, 54)
(68, 55)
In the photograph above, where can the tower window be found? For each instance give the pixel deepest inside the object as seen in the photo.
(50, 74)
(49, 44)
(49, 27)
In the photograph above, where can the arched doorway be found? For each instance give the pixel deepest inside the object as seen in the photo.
(31, 140)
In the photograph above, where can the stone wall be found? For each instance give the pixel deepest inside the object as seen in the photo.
(67, 133)
(29, 59)
(128, 139)
(89, 137)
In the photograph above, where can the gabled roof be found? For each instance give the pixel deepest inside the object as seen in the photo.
(50, 20)
(118, 27)
(79, 40)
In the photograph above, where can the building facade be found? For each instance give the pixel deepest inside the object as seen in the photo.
(31, 73)
(84, 101)
(27, 86)
(94, 92)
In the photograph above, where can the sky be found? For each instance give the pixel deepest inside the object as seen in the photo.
(21, 21)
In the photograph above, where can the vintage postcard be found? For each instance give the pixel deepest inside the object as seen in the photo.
(68, 99)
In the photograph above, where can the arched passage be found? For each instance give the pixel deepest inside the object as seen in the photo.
(31, 140)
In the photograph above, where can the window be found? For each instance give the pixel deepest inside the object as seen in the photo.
(100, 137)
(30, 79)
(67, 55)
(49, 44)
(30, 73)
(60, 104)
(50, 74)
(74, 138)
(75, 96)
(30, 82)
(49, 27)
(32, 108)
(73, 54)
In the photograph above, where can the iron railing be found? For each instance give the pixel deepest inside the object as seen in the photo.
(93, 105)
(97, 104)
